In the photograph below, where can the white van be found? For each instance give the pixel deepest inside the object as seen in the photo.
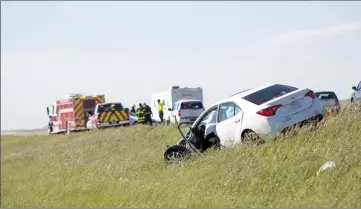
(186, 111)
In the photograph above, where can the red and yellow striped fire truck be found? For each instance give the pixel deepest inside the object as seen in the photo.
(71, 113)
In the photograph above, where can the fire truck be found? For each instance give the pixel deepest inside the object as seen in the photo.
(71, 113)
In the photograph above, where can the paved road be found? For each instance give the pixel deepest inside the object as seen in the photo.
(24, 133)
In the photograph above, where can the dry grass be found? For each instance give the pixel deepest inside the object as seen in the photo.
(124, 168)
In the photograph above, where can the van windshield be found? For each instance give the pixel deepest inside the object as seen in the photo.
(269, 93)
(191, 105)
(110, 107)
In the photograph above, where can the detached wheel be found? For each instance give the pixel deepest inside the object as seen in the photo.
(252, 138)
(175, 154)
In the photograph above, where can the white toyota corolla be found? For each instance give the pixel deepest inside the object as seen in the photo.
(258, 112)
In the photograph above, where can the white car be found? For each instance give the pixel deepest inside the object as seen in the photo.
(133, 118)
(186, 111)
(356, 95)
(257, 113)
(329, 101)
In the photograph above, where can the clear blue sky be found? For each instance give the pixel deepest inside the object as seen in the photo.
(128, 50)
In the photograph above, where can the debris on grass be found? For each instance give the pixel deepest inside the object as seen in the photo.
(327, 165)
(123, 180)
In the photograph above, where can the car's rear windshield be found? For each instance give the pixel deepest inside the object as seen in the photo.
(269, 93)
(325, 95)
(191, 105)
(110, 107)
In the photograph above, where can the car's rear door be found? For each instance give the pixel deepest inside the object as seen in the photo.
(229, 122)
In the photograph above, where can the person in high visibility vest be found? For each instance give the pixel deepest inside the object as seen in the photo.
(140, 114)
(160, 110)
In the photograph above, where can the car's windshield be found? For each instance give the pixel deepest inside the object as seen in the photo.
(269, 93)
(132, 114)
(110, 107)
(325, 95)
(194, 105)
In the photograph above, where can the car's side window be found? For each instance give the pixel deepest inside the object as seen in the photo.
(227, 111)
(359, 86)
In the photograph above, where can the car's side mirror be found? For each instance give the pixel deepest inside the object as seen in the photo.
(354, 88)
(170, 109)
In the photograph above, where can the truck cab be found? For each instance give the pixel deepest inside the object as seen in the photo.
(108, 115)
(356, 95)
(186, 111)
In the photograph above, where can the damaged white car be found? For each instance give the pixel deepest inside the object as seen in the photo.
(252, 115)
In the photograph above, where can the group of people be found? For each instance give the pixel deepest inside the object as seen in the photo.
(144, 112)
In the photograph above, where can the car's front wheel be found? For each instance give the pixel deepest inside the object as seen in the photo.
(252, 137)
(176, 153)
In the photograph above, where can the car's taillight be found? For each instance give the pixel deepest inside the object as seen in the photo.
(179, 113)
(337, 102)
(310, 94)
(269, 111)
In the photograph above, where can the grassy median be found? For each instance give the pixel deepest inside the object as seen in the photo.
(124, 168)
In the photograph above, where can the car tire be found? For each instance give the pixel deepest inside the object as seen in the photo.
(176, 153)
(252, 137)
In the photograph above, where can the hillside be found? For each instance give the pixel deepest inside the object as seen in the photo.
(124, 168)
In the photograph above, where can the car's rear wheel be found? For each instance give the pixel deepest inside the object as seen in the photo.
(251, 137)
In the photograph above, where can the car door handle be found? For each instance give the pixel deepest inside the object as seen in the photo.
(237, 120)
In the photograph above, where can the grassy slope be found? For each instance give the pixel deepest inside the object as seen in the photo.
(124, 168)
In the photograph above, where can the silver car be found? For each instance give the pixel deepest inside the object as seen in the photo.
(329, 100)
(133, 118)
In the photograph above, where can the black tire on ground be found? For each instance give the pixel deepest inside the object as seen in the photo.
(50, 129)
(252, 138)
(176, 153)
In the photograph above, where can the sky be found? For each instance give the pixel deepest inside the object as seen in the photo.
(129, 50)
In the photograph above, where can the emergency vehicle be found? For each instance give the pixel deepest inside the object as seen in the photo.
(71, 113)
(108, 115)
(181, 104)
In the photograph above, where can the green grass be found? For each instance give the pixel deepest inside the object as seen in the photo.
(124, 168)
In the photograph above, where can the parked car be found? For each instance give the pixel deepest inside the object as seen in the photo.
(356, 95)
(329, 101)
(253, 115)
(133, 118)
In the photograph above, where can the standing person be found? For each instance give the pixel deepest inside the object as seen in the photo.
(160, 110)
(147, 114)
(140, 114)
(133, 109)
